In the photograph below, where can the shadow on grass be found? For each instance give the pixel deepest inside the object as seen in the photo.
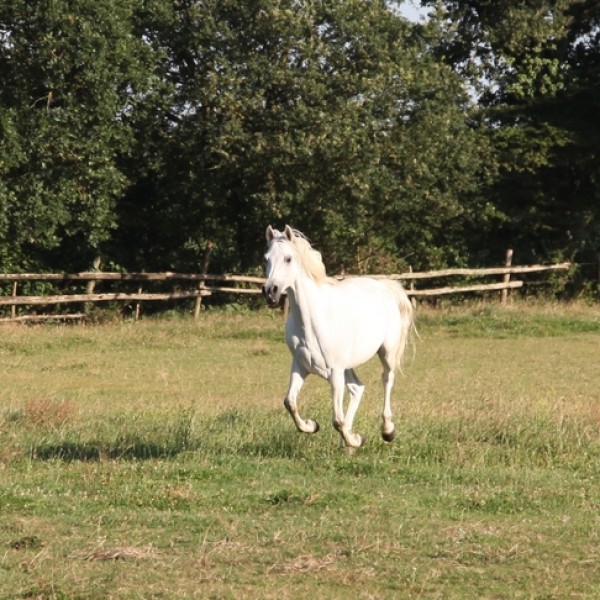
(231, 433)
(127, 441)
(69, 451)
(272, 445)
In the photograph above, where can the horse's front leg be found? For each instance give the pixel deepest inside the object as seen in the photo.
(341, 423)
(297, 377)
(355, 389)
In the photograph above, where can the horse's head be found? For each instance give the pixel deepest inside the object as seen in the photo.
(282, 264)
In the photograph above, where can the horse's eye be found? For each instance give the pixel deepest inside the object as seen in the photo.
(288, 259)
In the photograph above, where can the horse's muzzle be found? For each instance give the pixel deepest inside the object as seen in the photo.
(271, 294)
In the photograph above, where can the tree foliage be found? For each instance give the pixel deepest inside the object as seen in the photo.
(536, 68)
(143, 131)
(332, 116)
(70, 70)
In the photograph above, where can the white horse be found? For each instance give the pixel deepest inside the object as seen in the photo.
(333, 327)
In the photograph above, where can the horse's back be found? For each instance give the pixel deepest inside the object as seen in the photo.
(370, 294)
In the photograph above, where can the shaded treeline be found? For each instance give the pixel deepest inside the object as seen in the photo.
(142, 130)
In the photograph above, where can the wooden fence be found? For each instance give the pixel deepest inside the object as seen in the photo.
(201, 285)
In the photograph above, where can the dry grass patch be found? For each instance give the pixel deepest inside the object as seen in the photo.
(48, 412)
(99, 551)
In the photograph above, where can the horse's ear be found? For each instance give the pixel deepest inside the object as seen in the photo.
(289, 233)
(269, 234)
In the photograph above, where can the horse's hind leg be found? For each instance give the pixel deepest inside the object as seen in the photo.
(388, 429)
(297, 377)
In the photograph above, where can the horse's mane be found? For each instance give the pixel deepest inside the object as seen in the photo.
(311, 259)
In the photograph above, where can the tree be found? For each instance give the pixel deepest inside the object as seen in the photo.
(332, 116)
(70, 71)
(145, 130)
(536, 69)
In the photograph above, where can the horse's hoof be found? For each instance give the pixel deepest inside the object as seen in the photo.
(317, 427)
(362, 441)
(351, 448)
(389, 436)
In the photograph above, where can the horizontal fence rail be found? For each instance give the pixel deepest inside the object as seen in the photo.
(69, 298)
(104, 276)
(207, 284)
(478, 272)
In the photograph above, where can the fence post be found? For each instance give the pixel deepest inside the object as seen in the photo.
(506, 279)
(138, 304)
(13, 308)
(202, 285)
(91, 285)
(411, 286)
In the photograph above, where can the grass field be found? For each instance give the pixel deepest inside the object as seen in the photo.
(155, 460)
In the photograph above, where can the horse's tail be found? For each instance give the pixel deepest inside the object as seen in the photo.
(408, 332)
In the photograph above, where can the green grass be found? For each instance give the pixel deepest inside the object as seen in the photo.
(155, 460)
